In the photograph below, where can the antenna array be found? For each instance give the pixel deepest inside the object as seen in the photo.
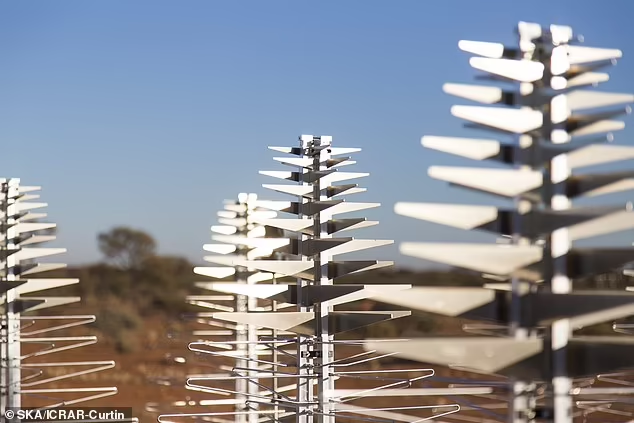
(532, 300)
(298, 383)
(27, 379)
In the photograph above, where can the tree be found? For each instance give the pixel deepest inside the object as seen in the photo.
(126, 248)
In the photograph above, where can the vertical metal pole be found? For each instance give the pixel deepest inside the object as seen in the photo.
(522, 404)
(252, 334)
(13, 316)
(242, 306)
(521, 407)
(11, 322)
(558, 245)
(4, 350)
(304, 361)
(560, 283)
(241, 384)
(325, 382)
(275, 357)
(538, 45)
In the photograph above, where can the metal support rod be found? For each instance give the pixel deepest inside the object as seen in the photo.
(274, 358)
(252, 331)
(11, 319)
(556, 173)
(4, 331)
(242, 385)
(246, 335)
(322, 331)
(304, 350)
(522, 398)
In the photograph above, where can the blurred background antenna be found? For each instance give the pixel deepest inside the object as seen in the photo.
(239, 236)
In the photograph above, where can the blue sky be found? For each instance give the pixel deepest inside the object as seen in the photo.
(150, 113)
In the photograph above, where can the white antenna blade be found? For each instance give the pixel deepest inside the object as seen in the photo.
(224, 230)
(31, 227)
(273, 205)
(485, 354)
(480, 93)
(619, 186)
(611, 223)
(580, 54)
(215, 272)
(257, 291)
(481, 48)
(270, 243)
(341, 176)
(599, 127)
(350, 192)
(516, 182)
(294, 225)
(456, 215)
(283, 267)
(23, 189)
(32, 216)
(597, 154)
(369, 292)
(37, 239)
(287, 150)
(342, 164)
(23, 206)
(586, 99)
(476, 149)
(238, 208)
(261, 277)
(34, 285)
(295, 161)
(31, 253)
(517, 70)
(517, 121)
(227, 214)
(51, 302)
(360, 225)
(298, 190)
(487, 258)
(587, 78)
(262, 214)
(220, 248)
(233, 221)
(223, 260)
(447, 301)
(505, 286)
(337, 151)
(29, 198)
(358, 245)
(279, 321)
(351, 207)
(42, 267)
(258, 253)
(279, 174)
